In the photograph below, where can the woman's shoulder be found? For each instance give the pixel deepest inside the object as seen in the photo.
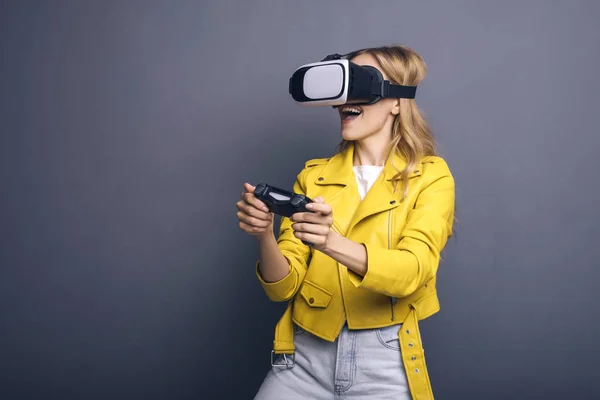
(435, 166)
(434, 160)
(312, 167)
(316, 161)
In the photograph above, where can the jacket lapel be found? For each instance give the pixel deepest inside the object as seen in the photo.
(344, 198)
(349, 209)
(381, 196)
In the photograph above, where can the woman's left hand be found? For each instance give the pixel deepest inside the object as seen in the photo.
(314, 227)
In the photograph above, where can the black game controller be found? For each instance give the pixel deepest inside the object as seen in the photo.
(282, 202)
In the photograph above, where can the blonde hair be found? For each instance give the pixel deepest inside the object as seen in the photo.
(411, 135)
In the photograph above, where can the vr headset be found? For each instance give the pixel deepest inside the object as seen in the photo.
(336, 80)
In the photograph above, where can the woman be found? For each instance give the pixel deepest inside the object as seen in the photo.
(382, 213)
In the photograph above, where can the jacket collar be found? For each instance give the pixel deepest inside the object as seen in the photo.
(381, 196)
(339, 168)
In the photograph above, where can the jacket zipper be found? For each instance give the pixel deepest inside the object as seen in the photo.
(392, 299)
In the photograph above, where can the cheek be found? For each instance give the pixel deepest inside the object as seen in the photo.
(374, 119)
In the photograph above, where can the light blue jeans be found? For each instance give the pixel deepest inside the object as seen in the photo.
(360, 364)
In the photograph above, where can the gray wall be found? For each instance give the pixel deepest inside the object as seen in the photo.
(128, 128)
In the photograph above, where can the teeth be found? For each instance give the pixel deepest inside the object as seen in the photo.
(350, 109)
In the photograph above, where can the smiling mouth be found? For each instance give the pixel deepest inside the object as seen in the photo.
(349, 113)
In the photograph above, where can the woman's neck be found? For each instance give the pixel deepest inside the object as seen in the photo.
(370, 153)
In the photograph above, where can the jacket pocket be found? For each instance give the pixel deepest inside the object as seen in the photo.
(314, 295)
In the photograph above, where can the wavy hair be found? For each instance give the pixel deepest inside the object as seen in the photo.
(412, 137)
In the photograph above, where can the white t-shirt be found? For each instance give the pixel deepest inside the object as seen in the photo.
(366, 175)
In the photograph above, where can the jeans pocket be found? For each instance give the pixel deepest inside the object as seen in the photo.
(388, 337)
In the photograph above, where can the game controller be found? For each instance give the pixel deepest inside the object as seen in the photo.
(282, 202)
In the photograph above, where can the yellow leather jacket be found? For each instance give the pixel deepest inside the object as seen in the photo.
(403, 240)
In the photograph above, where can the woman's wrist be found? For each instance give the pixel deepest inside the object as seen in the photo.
(332, 243)
(273, 266)
(267, 236)
(347, 252)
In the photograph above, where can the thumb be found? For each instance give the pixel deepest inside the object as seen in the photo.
(249, 188)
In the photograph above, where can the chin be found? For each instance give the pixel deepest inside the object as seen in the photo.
(350, 134)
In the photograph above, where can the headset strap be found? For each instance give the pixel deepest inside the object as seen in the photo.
(390, 90)
(385, 89)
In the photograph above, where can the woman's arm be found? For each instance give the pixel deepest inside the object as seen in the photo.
(283, 262)
(316, 228)
(256, 220)
(347, 252)
(400, 271)
(272, 265)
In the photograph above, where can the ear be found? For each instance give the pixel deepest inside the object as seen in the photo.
(396, 108)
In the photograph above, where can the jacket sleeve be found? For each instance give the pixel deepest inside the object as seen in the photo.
(296, 253)
(399, 272)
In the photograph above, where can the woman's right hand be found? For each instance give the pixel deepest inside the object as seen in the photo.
(255, 218)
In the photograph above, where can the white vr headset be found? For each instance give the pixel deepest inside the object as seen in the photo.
(336, 80)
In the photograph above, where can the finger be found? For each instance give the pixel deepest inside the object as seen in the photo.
(311, 238)
(324, 209)
(319, 199)
(260, 220)
(249, 228)
(253, 201)
(311, 228)
(252, 221)
(253, 211)
(249, 188)
(314, 218)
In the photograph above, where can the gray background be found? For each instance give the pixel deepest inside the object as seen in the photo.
(127, 131)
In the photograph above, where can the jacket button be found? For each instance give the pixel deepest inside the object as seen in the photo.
(417, 370)
(393, 202)
(410, 345)
(413, 358)
(321, 178)
(408, 331)
(311, 300)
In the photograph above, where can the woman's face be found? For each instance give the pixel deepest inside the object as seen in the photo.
(372, 120)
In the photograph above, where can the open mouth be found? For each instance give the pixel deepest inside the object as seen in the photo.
(349, 113)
